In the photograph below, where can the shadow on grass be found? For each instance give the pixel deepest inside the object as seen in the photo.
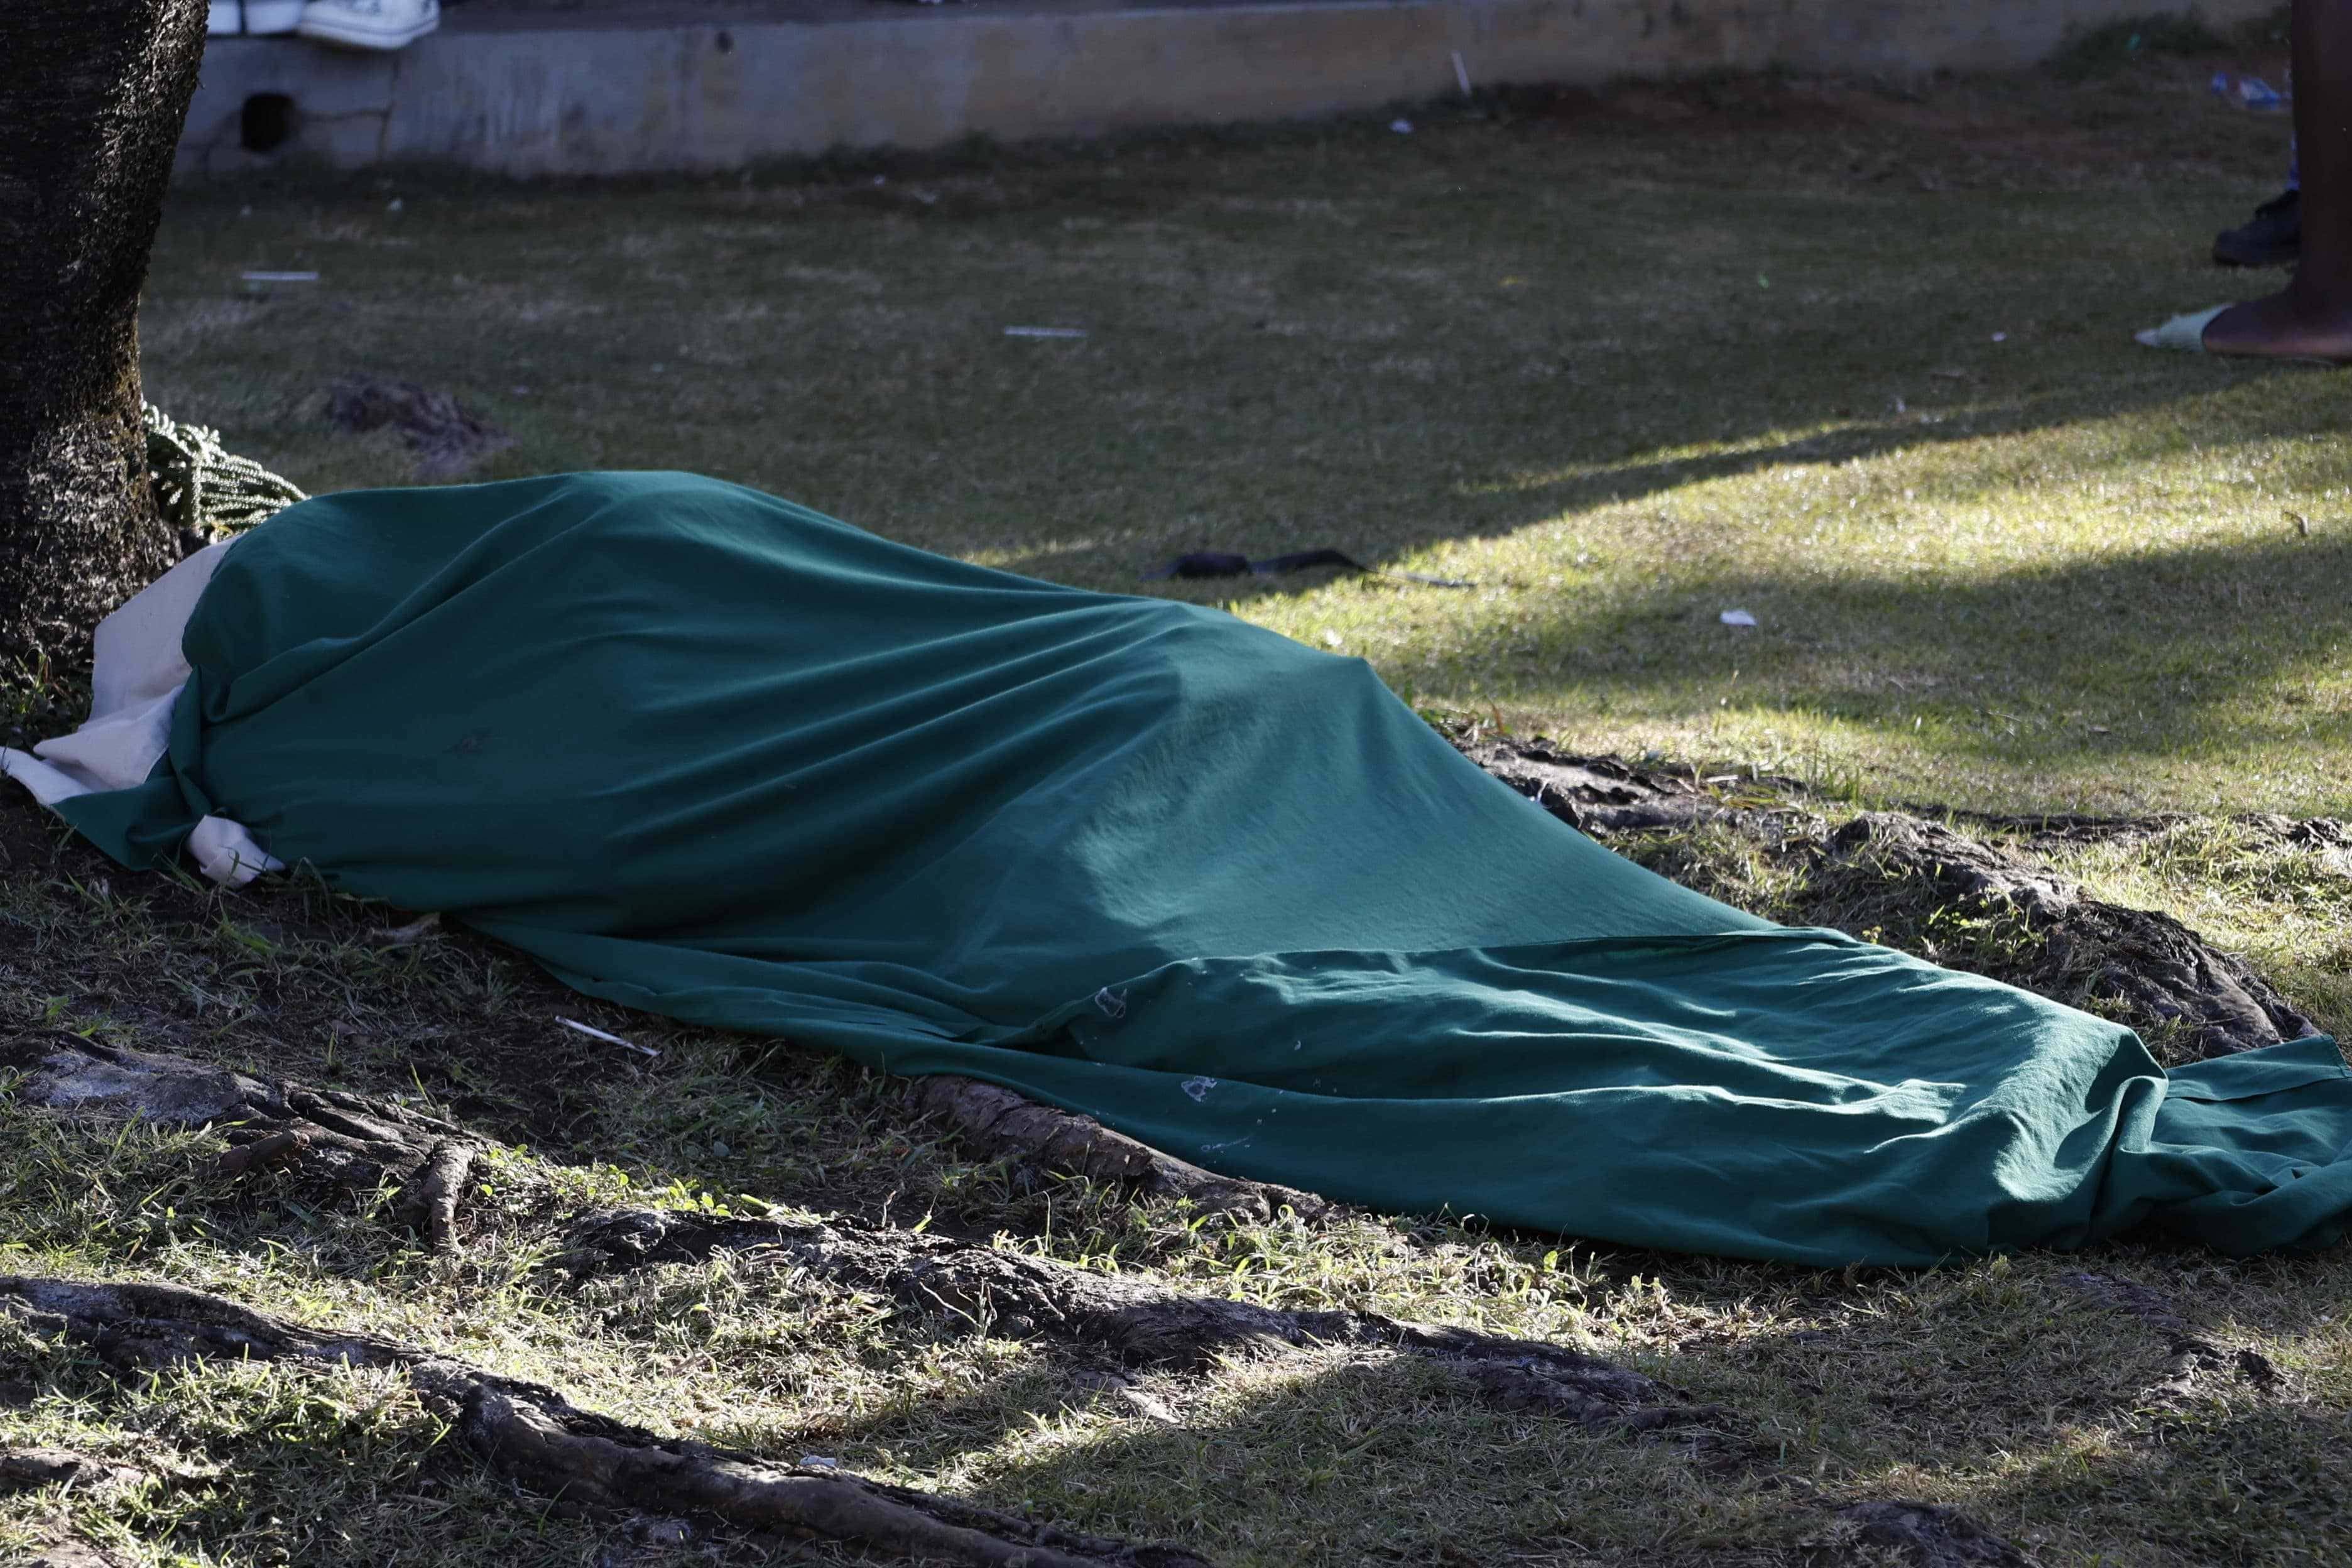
(1368, 341)
(1504, 492)
(2031, 1414)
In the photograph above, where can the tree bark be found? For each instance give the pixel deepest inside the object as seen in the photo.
(92, 98)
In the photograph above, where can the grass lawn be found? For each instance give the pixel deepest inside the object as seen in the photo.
(1856, 362)
(1860, 365)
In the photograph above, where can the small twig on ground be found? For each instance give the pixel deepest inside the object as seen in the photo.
(415, 931)
(597, 1034)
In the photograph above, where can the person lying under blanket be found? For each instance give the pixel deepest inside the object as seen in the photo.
(705, 752)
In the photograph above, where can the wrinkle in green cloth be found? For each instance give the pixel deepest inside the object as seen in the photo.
(705, 752)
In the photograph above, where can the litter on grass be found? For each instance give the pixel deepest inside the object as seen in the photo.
(2249, 92)
(597, 1034)
(1737, 618)
(448, 436)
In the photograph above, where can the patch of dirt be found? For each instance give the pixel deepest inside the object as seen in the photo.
(60, 1550)
(446, 435)
(1926, 1535)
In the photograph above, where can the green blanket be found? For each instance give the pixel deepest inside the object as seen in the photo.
(706, 753)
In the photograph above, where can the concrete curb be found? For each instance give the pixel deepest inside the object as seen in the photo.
(540, 93)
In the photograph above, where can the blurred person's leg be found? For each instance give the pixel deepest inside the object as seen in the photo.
(2310, 317)
(2274, 236)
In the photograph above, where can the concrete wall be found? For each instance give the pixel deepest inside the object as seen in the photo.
(569, 99)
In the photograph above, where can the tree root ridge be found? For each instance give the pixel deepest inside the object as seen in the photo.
(1931, 1535)
(993, 1120)
(25, 1469)
(2163, 973)
(536, 1437)
(341, 1141)
(2190, 1354)
(1136, 1324)
(2167, 981)
(1129, 1321)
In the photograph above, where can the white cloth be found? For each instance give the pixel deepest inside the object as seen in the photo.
(137, 674)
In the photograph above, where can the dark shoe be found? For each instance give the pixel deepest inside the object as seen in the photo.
(2272, 238)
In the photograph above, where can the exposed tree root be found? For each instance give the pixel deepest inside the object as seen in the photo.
(1136, 1324)
(28, 1469)
(1122, 1318)
(2190, 1354)
(70, 1552)
(2164, 979)
(1604, 795)
(341, 1141)
(22, 1470)
(537, 1439)
(2163, 973)
(992, 1121)
(1932, 1536)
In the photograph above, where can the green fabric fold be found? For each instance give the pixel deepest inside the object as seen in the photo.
(705, 752)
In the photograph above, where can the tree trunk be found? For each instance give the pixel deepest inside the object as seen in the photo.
(92, 97)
